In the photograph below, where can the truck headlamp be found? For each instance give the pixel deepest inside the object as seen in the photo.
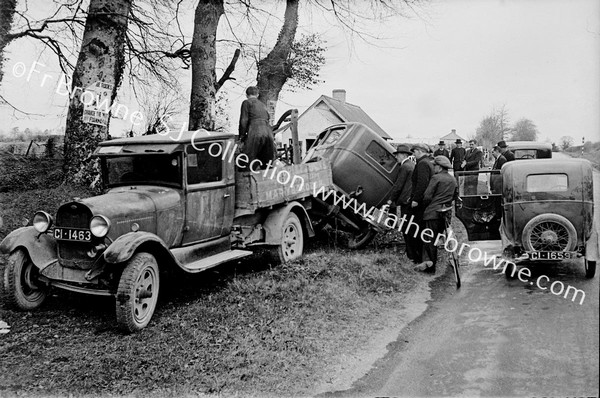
(99, 226)
(42, 221)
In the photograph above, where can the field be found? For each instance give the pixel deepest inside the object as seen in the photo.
(250, 328)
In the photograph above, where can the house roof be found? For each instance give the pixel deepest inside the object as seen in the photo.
(329, 111)
(452, 136)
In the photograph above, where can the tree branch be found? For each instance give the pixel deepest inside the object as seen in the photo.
(227, 74)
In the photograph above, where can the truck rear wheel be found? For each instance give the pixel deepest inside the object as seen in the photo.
(22, 288)
(292, 239)
(137, 294)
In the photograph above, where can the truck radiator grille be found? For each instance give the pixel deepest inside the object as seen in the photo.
(74, 254)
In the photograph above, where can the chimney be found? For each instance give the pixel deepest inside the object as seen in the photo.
(339, 94)
(454, 131)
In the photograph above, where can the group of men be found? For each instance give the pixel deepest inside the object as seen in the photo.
(425, 191)
(422, 191)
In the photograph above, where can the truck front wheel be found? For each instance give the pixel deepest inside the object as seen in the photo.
(22, 288)
(137, 294)
(292, 239)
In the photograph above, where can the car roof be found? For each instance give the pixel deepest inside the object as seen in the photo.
(171, 137)
(528, 145)
(549, 165)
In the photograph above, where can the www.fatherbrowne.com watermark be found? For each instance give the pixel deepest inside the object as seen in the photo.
(393, 222)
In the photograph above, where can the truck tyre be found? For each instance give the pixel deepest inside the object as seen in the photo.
(137, 294)
(22, 288)
(362, 238)
(549, 232)
(292, 239)
(590, 268)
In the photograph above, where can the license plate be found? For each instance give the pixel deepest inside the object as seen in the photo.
(550, 255)
(73, 234)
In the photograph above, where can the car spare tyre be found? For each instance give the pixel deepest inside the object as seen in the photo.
(549, 232)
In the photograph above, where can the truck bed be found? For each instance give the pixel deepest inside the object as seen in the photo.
(278, 185)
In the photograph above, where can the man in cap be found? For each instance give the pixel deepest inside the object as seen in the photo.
(457, 156)
(400, 196)
(442, 150)
(440, 193)
(420, 180)
(508, 155)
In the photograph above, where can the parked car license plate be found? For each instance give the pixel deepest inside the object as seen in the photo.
(550, 255)
(74, 234)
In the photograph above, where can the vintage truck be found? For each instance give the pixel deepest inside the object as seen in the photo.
(172, 203)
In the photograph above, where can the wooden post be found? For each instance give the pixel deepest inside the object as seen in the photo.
(31, 143)
(295, 142)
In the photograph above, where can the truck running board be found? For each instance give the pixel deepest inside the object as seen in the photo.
(215, 260)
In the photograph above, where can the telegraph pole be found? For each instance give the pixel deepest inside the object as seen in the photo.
(582, 144)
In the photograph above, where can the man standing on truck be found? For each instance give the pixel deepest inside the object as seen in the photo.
(401, 196)
(420, 180)
(440, 193)
(254, 129)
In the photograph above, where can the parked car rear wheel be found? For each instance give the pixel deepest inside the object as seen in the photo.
(137, 294)
(590, 268)
(22, 288)
(549, 232)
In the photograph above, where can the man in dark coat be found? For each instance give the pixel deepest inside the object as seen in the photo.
(254, 129)
(471, 163)
(420, 180)
(457, 156)
(440, 193)
(442, 150)
(508, 155)
(400, 196)
(496, 179)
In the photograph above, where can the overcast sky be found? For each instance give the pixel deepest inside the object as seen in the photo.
(445, 69)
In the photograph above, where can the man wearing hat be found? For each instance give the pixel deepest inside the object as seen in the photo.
(457, 156)
(440, 193)
(508, 155)
(420, 180)
(442, 150)
(401, 195)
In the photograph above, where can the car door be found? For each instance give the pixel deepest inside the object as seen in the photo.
(209, 194)
(480, 204)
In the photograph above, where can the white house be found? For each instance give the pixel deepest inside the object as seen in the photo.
(324, 112)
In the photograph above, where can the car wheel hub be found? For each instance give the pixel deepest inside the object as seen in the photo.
(549, 237)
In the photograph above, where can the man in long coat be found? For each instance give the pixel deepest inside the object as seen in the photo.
(254, 129)
(420, 180)
(401, 192)
(457, 156)
(471, 163)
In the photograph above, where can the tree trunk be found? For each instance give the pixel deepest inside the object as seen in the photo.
(101, 59)
(274, 70)
(7, 12)
(204, 60)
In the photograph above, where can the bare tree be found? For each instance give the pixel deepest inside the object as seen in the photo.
(7, 13)
(566, 141)
(493, 128)
(101, 61)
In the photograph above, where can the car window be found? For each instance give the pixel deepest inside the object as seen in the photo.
(484, 183)
(333, 136)
(144, 170)
(547, 183)
(201, 165)
(381, 156)
(525, 153)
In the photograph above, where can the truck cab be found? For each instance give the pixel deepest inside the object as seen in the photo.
(170, 204)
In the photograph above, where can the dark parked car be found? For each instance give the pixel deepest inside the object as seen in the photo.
(530, 149)
(544, 212)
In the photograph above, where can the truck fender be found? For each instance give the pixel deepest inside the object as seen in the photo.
(274, 222)
(124, 247)
(41, 247)
(592, 246)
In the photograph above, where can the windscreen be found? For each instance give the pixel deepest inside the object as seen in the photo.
(143, 170)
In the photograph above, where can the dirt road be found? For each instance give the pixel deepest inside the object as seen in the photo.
(497, 338)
